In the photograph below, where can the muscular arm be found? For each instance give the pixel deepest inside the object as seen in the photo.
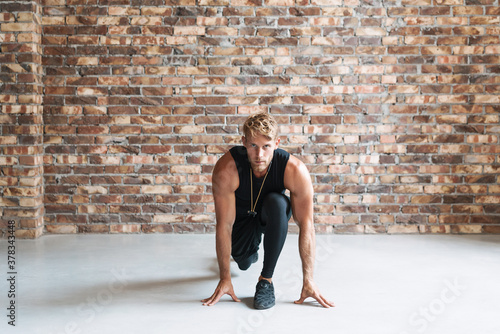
(298, 181)
(224, 183)
(301, 197)
(225, 212)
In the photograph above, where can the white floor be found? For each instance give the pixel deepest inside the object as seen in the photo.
(387, 284)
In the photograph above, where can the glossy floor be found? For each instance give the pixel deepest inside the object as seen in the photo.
(387, 284)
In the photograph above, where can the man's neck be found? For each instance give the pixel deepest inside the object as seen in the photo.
(260, 175)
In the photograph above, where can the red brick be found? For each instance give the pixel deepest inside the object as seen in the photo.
(156, 103)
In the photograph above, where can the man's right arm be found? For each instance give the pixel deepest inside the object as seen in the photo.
(224, 183)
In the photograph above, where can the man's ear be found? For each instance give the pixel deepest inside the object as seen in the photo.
(244, 140)
(278, 140)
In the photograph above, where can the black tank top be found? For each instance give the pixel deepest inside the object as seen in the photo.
(274, 181)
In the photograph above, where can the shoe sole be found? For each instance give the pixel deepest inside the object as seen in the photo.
(257, 307)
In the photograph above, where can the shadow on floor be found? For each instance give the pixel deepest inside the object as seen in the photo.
(131, 291)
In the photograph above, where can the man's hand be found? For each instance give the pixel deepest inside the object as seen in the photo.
(223, 288)
(309, 289)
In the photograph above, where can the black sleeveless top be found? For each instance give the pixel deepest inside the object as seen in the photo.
(274, 181)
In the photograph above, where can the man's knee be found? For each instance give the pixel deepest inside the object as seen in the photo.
(275, 199)
(244, 264)
(276, 204)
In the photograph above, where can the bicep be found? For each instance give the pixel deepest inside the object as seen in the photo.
(223, 189)
(301, 194)
(302, 207)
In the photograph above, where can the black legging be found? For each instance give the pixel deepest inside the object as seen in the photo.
(272, 220)
(275, 215)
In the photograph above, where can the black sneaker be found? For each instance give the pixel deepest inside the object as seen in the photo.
(264, 295)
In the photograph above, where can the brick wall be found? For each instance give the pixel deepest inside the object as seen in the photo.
(21, 124)
(393, 106)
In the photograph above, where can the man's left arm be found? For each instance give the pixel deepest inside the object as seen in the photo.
(298, 181)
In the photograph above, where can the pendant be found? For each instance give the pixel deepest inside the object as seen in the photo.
(252, 213)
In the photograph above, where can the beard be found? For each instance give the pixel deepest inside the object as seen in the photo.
(260, 167)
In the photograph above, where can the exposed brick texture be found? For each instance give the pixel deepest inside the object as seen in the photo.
(21, 118)
(393, 105)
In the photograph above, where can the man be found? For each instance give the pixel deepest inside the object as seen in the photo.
(248, 187)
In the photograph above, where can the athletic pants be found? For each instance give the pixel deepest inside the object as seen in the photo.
(272, 221)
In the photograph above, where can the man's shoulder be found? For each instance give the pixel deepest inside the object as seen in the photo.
(295, 170)
(294, 163)
(225, 177)
(226, 162)
(225, 170)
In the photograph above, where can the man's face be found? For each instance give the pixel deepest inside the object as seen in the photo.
(260, 152)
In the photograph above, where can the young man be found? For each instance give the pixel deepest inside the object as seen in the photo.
(248, 186)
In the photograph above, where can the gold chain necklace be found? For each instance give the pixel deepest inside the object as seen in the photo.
(252, 206)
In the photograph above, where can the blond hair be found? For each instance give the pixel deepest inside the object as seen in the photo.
(261, 124)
